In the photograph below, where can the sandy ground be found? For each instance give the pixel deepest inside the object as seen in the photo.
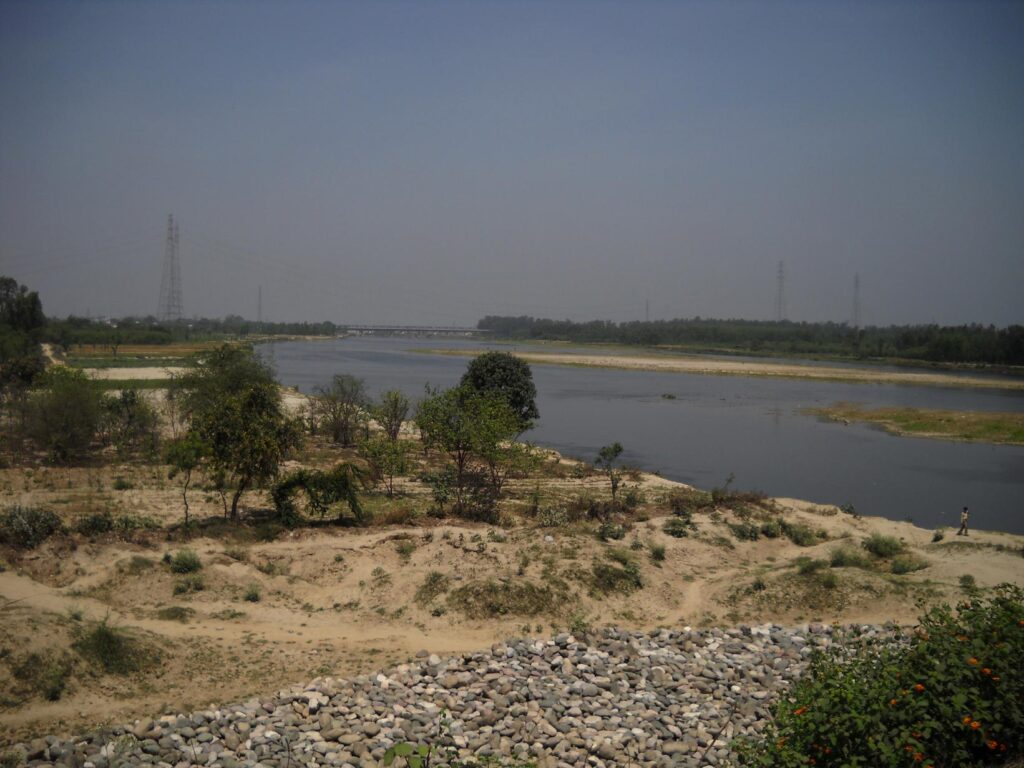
(342, 600)
(725, 367)
(127, 374)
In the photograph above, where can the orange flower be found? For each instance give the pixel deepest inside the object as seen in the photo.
(893, 703)
(967, 719)
(992, 743)
(961, 638)
(972, 661)
(986, 671)
(919, 688)
(975, 724)
(799, 711)
(918, 757)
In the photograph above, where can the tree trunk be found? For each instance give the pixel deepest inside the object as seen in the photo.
(235, 498)
(184, 494)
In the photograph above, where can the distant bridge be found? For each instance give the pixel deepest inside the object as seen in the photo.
(412, 330)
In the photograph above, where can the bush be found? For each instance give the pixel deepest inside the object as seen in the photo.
(807, 565)
(109, 648)
(405, 548)
(175, 613)
(677, 527)
(968, 582)
(880, 545)
(849, 557)
(745, 531)
(105, 522)
(657, 552)
(436, 583)
(950, 696)
(185, 561)
(633, 498)
(620, 575)
(27, 527)
(120, 484)
(908, 564)
(611, 531)
(799, 533)
(65, 413)
(771, 529)
(490, 599)
(252, 593)
(191, 583)
(44, 674)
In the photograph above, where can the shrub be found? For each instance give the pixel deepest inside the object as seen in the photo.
(109, 648)
(185, 561)
(435, 583)
(908, 564)
(968, 582)
(45, 674)
(745, 531)
(611, 531)
(771, 529)
(677, 527)
(938, 536)
(633, 498)
(175, 613)
(121, 484)
(405, 548)
(950, 696)
(849, 557)
(800, 534)
(807, 565)
(252, 593)
(828, 580)
(191, 583)
(881, 545)
(657, 552)
(27, 527)
(105, 522)
(552, 517)
(490, 599)
(621, 575)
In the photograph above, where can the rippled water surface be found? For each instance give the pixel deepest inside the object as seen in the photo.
(753, 428)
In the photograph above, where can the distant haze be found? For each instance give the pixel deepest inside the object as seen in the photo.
(388, 162)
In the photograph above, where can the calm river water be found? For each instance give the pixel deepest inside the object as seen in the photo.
(752, 428)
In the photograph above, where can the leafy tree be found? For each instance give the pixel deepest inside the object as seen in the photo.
(464, 423)
(386, 459)
(234, 409)
(64, 413)
(132, 423)
(21, 319)
(392, 411)
(341, 408)
(510, 377)
(185, 455)
(606, 460)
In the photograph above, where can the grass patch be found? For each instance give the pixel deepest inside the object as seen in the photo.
(617, 574)
(435, 583)
(846, 556)
(175, 613)
(44, 674)
(677, 527)
(185, 561)
(405, 548)
(111, 649)
(974, 426)
(193, 582)
(657, 552)
(883, 546)
(491, 598)
(908, 564)
(807, 565)
(800, 534)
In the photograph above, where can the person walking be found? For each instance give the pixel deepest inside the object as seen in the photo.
(963, 523)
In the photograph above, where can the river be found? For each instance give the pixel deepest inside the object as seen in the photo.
(716, 426)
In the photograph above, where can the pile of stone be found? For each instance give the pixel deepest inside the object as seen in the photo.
(615, 698)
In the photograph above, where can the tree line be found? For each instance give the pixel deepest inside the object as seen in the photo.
(974, 344)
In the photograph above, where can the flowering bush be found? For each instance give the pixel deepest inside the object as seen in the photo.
(950, 694)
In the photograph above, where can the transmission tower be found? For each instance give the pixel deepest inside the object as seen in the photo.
(856, 300)
(259, 310)
(780, 295)
(169, 309)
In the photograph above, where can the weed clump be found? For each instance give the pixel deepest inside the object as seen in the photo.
(800, 534)
(27, 527)
(677, 527)
(193, 582)
(185, 561)
(44, 673)
(657, 552)
(436, 583)
(618, 574)
(908, 564)
(110, 649)
(491, 598)
(883, 546)
(849, 557)
(175, 613)
(252, 593)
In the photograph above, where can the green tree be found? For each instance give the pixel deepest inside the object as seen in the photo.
(21, 320)
(510, 377)
(464, 424)
(606, 461)
(65, 410)
(234, 409)
(185, 455)
(324, 491)
(341, 408)
(391, 412)
(386, 458)
(132, 422)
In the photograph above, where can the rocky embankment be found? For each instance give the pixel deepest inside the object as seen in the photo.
(663, 698)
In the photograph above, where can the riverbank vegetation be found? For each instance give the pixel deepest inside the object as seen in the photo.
(968, 344)
(974, 426)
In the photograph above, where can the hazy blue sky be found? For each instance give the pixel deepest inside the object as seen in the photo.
(432, 162)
